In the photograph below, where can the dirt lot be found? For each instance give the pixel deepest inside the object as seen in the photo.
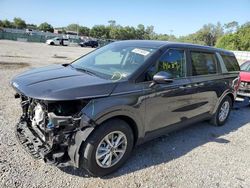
(199, 156)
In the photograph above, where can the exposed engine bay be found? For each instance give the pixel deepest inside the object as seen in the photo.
(46, 129)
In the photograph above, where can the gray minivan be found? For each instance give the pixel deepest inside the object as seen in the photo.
(92, 112)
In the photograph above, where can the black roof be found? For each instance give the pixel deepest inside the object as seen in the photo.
(160, 44)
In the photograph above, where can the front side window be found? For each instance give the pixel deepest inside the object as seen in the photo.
(203, 63)
(172, 61)
(115, 61)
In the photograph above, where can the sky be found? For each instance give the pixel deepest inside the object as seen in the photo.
(179, 17)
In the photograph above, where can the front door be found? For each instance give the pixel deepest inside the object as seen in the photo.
(169, 103)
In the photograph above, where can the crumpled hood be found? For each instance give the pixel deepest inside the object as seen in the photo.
(58, 82)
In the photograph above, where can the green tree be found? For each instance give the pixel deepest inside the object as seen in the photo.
(81, 30)
(112, 23)
(73, 27)
(140, 31)
(239, 40)
(116, 32)
(85, 31)
(191, 38)
(231, 27)
(46, 27)
(244, 37)
(229, 42)
(161, 37)
(7, 24)
(100, 31)
(31, 26)
(19, 23)
(149, 32)
(210, 33)
(63, 30)
(129, 33)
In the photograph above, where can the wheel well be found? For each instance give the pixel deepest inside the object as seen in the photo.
(132, 124)
(231, 96)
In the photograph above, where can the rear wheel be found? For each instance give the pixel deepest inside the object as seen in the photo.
(107, 148)
(223, 111)
(52, 43)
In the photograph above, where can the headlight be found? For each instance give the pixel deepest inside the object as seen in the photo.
(38, 115)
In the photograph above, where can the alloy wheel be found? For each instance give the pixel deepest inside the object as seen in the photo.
(111, 149)
(224, 111)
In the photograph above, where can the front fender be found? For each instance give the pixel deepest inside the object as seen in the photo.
(101, 109)
(131, 106)
(78, 139)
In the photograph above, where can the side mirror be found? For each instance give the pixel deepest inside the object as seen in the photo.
(162, 77)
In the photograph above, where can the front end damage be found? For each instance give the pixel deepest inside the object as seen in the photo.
(48, 130)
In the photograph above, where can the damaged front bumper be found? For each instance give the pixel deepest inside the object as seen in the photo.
(53, 130)
(57, 146)
(39, 149)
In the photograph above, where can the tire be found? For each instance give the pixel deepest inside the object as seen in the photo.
(52, 43)
(216, 120)
(91, 148)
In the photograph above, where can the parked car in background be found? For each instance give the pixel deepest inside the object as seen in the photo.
(91, 113)
(58, 41)
(90, 43)
(29, 31)
(244, 89)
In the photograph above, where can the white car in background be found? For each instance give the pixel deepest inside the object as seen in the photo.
(58, 41)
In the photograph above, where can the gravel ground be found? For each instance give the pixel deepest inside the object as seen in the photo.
(198, 156)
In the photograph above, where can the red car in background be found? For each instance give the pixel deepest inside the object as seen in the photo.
(244, 89)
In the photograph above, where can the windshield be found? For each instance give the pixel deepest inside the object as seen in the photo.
(115, 61)
(245, 66)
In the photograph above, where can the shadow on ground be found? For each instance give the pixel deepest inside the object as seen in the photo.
(177, 144)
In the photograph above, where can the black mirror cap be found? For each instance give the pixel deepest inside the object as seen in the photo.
(163, 77)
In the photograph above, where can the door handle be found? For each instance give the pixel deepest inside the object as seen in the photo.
(185, 86)
(190, 85)
(199, 84)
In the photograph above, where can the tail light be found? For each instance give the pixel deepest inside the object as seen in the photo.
(236, 83)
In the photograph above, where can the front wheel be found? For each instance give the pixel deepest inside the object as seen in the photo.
(107, 148)
(223, 111)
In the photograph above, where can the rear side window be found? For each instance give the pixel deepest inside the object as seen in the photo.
(203, 63)
(230, 63)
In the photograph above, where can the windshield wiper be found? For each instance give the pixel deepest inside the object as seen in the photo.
(86, 71)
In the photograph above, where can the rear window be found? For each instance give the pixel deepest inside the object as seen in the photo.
(203, 63)
(230, 63)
